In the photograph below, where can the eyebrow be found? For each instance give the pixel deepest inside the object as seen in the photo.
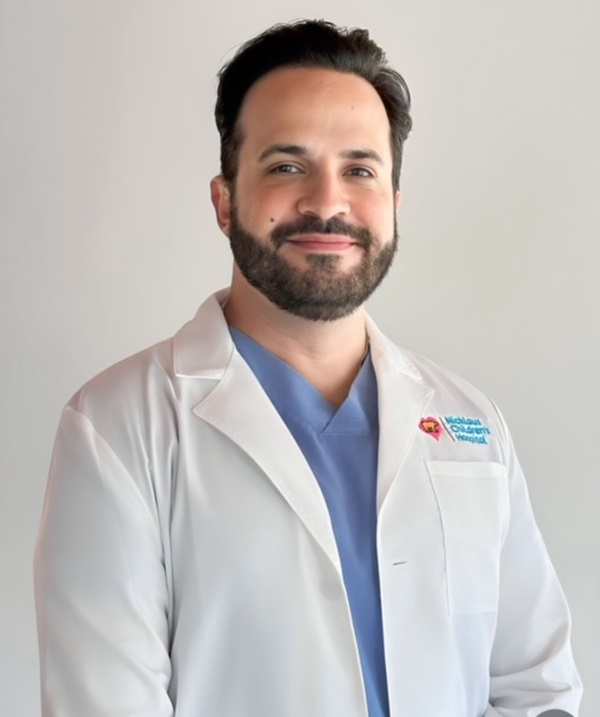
(294, 149)
(297, 150)
(362, 154)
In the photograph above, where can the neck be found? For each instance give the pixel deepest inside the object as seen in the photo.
(327, 353)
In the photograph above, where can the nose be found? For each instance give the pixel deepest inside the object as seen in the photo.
(324, 196)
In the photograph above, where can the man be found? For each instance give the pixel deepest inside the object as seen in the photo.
(277, 512)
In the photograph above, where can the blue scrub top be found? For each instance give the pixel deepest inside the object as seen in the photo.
(340, 445)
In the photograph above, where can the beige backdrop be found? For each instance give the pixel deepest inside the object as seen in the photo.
(108, 243)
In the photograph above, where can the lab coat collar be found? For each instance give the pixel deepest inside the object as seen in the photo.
(403, 397)
(239, 408)
(203, 348)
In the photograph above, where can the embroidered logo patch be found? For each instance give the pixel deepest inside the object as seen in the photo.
(432, 427)
(467, 429)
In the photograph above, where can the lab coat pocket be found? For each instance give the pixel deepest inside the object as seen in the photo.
(472, 498)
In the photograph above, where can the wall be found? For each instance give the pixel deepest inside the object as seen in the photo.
(108, 243)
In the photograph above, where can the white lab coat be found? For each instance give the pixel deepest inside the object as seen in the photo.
(186, 563)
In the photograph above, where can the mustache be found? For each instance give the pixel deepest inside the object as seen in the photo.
(314, 225)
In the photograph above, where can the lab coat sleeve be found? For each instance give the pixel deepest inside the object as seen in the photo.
(532, 669)
(100, 586)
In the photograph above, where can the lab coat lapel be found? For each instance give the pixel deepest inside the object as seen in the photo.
(403, 399)
(239, 408)
(242, 411)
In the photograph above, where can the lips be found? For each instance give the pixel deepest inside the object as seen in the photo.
(312, 230)
(323, 242)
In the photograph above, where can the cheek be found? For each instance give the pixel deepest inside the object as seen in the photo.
(265, 207)
(379, 216)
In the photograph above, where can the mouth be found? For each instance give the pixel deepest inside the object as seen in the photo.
(323, 242)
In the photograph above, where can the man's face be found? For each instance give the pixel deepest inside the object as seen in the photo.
(311, 218)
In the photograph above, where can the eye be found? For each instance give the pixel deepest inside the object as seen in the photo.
(285, 169)
(362, 172)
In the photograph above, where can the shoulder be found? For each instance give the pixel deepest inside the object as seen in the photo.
(144, 397)
(132, 381)
(465, 415)
(441, 379)
(444, 380)
(154, 378)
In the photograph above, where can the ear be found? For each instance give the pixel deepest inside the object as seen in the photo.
(220, 196)
(397, 199)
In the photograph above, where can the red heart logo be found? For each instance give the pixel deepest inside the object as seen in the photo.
(432, 427)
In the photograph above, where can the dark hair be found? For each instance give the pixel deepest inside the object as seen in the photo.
(309, 43)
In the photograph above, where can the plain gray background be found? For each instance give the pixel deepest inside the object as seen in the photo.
(108, 241)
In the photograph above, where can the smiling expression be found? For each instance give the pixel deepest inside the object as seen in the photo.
(311, 216)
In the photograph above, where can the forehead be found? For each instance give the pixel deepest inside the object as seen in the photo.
(314, 106)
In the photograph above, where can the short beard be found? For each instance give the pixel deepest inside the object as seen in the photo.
(320, 292)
